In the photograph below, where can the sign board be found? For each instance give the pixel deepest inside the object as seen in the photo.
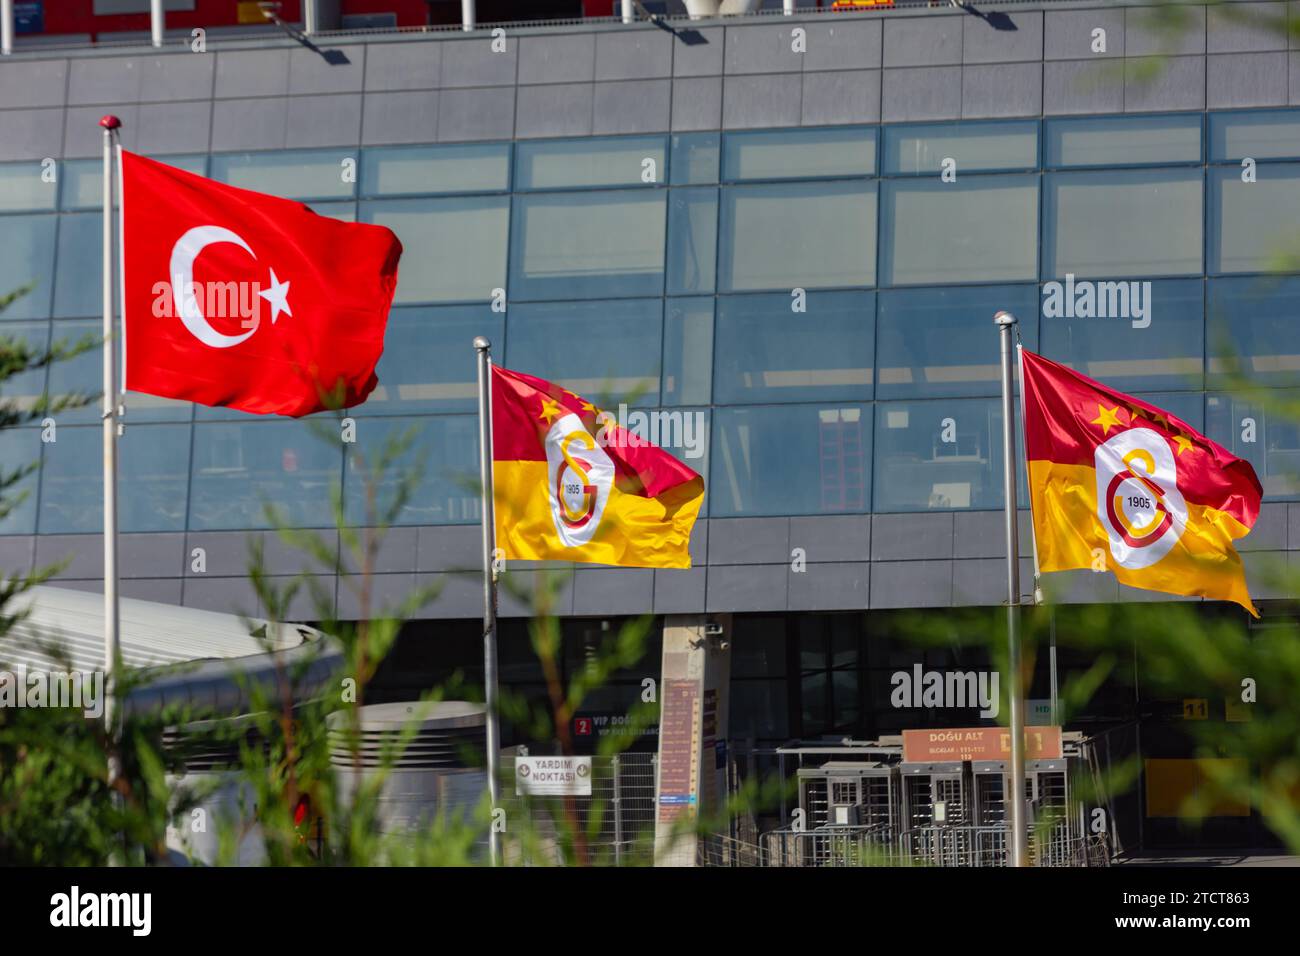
(679, 740)
(1038, 712)
(978, 743)
(1196, 708)
(553, 776)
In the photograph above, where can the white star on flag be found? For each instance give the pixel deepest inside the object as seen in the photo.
(278, 296)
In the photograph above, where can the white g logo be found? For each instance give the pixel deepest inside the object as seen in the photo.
(1138, 500)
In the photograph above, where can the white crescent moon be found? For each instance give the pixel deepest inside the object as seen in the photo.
(184, 253)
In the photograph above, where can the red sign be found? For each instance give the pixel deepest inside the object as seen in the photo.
(978, 743)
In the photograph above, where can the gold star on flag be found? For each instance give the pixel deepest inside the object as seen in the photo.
(550, 410)
(588, 407)
(1107, 418)
(1184, 443)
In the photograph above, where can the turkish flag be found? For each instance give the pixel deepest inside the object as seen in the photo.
(249, 301)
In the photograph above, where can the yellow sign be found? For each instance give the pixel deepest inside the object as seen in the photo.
(249, 11)
(1235, 710)
(1196, 708)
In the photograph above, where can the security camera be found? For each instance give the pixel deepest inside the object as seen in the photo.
(712, 629)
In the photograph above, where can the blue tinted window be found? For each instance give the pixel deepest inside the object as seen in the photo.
(291, 174)
(414, 170)
(439, 467)
(24, 388)
(944, 455)
(1189, 406)
(688, 351)
(586, 245)
(429, 363)
(692, 240)
(241, 465)
(790, 460)
(153, 473)
(83, 180)
(1271, 134)
(1268, 438)
(797, 235)
(768, 352)
(1122, 140)
(620, 361)
(798, 154)
(695, 158)
(82, 374)
(972, 147)
(1160, 345)
(77, 288)
(20, 447)
(23, 187)
(28, 258)
(1253, 326)
(935, 343)
(617, 161)
(1253, 225)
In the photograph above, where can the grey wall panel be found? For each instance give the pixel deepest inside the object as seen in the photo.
(922, 41)
(749, 541)
(459, 595)
(387, 594)
(847, 45)
(227, 595)
(830, 587)
(174, 128)
(563, 110)
(252, 73)
(81, 554)
(332, 70)
(17, 553)
(1008, 89)
(32, 83)
(1082, 86)
(1246, 79)
(282, 557)
(756, 587)
(1081, 587)
(1176, 83)
(1267, 575)
(400, 118)
(909, 537)
(613, 591)
(530, 592)
(911, 584)
(397, 552)
(841, 97)
(557, 58)
(31, 134)
(1293, 82)
(634, 54)
(922, 93)
(151, 555)
(471, 62)
(758, 101)
(1270, 530)
(1068, 34)
(680, 591)
(768, 48)
(1246, 27)
(700, 53)
(225, 553)
(453, 548)
(981, 534)
(1012, 36)
(250, 124)
(1293, 525)
(403, 66)
(486, 113)
(832, 537)
(333, 120)
(158, 590)
(1167, 30)
(632, 106)
(697, 103)
(83, 137)
(110, 79)
(981, 582)
(186, 76)
(698, 546)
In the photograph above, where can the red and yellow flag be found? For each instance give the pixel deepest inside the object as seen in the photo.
(1113, 479)
(571, 484)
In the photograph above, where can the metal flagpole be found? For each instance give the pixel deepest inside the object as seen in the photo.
(109, 414)
(1016, 799)
(484, 349)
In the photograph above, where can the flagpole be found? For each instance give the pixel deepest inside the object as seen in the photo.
(1054, 705)
(1006, 323)
(109, 415)
(484, 349)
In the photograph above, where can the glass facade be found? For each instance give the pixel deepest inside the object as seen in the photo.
(815, 304)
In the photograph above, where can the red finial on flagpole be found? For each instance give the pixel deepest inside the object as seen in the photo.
(110, 122)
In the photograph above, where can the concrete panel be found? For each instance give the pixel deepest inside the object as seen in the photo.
(1148, 33)
(635, 54)
(1013, 89)
(1268, 576)
(911, 584)
(1164, 83)
(387, 593)
(1081, 587)
(331, 70)
(848, 45)
(110, 79)
(333, 120)
(1068, 34)
(252, 73)
(680, 591)
(980, 534)
(557, 58)
(830, 587)
(225, 553)
(250, 124)
(1003, 37)
(598, 591)
(762, 49)
(487, 113)
(747, 588)
(1081, 86)
(81, 554)
(698, 52)
(909, 537)
(227, 595)
(188, 76)
(17, 552)
(1246, 27)
(174, 128)
(1247, 79)
(83, 137)
(849, 97)
(923, 93)
(458, 595)
(451, 548)
(397, 552)
(1293, 525)
(31, 134)
(749, 541)
(832, 538)
(32, 83)
(554, 110)
(150, 555)
(306, 604)
(757, 101)
(471, 62)
(1293, 84)
(983, 581)
(1270, 531)
(922, 41)
(697, 103)
(632, 106)
(403, 66)
(529, 593)
(399, 118)
(281, 557)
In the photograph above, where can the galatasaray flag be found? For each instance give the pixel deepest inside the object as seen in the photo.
(573, 485)
(234, 298)
(1112, 477)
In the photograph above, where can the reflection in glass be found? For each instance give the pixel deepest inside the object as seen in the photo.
(1264, 134)
(688, 351)
(410, 170)
(1254, 226)
(1122, 140)
(692, 240)
(442, 457)
(28, 258)
(616, 161)
(293, 174)
(1269, 440)
(428, 363)
(971, 146)
(694, 158)
(23, 187)
(799, 154)
(24, 388)
(77, 287)
(1253, 324)
(19, 448)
